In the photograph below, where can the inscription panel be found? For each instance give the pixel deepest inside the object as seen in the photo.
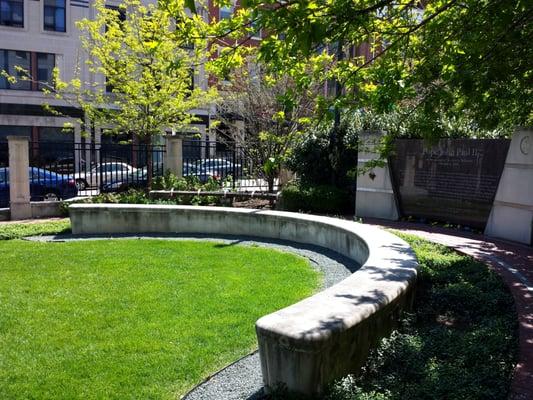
(452, 180)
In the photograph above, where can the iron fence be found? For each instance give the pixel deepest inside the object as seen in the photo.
(233, 165)
(62, 170)
(91, 168)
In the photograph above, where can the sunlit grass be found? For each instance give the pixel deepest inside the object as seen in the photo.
(145, 319)
(30, 228)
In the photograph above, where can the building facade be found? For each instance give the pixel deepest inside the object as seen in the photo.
(38, 36)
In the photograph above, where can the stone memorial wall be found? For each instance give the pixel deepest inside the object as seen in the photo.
(452, 180)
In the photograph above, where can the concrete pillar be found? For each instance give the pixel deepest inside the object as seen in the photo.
(239, 133)
(375, 195)
(511, 216)
(19, 183)
(174, 155)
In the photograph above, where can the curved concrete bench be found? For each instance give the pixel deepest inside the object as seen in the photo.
(311, 343)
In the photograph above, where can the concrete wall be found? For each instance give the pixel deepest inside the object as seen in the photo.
(46, 209)
(511, 216)
(375, 195)
(324, 337)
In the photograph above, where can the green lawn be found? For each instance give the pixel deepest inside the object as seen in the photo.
(10, 231)
(122, 319)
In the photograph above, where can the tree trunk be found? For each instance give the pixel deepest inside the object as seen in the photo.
(270, 181)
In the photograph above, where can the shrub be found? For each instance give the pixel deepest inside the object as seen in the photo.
(317, 161)
(459, 343)
(320, 199)
(168, 181)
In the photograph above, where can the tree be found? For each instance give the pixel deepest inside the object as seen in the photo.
(148, 56)
(265, 121)
(447, 57)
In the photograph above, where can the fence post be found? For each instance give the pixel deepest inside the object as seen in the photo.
(174, 155)
(19, 182)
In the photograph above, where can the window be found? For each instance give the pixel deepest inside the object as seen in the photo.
(120, 11)
(121, 14)
(12, 13)
(12, 130)
(226, 12)
(45, 66)
(56, 144)
(9, 60)
(55, 15)
(35, 67)
(114, 168)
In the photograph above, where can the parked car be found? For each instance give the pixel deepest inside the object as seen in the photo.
(103, 173)
(138, 178)
(65, 165)
(188, 168)
(218, 168)
(134, 180)
(44, 185)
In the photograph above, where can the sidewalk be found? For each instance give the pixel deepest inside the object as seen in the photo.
(514, 262)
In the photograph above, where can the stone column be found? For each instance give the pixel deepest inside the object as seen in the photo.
(19, 183)
(375, 196)
(511, 216)
(174, 155)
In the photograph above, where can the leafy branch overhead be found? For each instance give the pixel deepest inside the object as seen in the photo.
(446, 57)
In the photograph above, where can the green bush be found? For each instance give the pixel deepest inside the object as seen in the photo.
(318, 160)
(168, 181)
(320, 199)
(459, 343)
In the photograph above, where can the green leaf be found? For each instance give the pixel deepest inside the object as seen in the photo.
(190, 4)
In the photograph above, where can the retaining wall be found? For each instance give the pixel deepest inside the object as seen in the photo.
(307, 345)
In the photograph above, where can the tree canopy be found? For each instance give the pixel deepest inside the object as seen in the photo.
(265, 122)
(149, 57)
(451, 57)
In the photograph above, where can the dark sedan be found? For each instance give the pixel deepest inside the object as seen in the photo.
(44, 185)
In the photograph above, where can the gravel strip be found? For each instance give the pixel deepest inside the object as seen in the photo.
(242, 379)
